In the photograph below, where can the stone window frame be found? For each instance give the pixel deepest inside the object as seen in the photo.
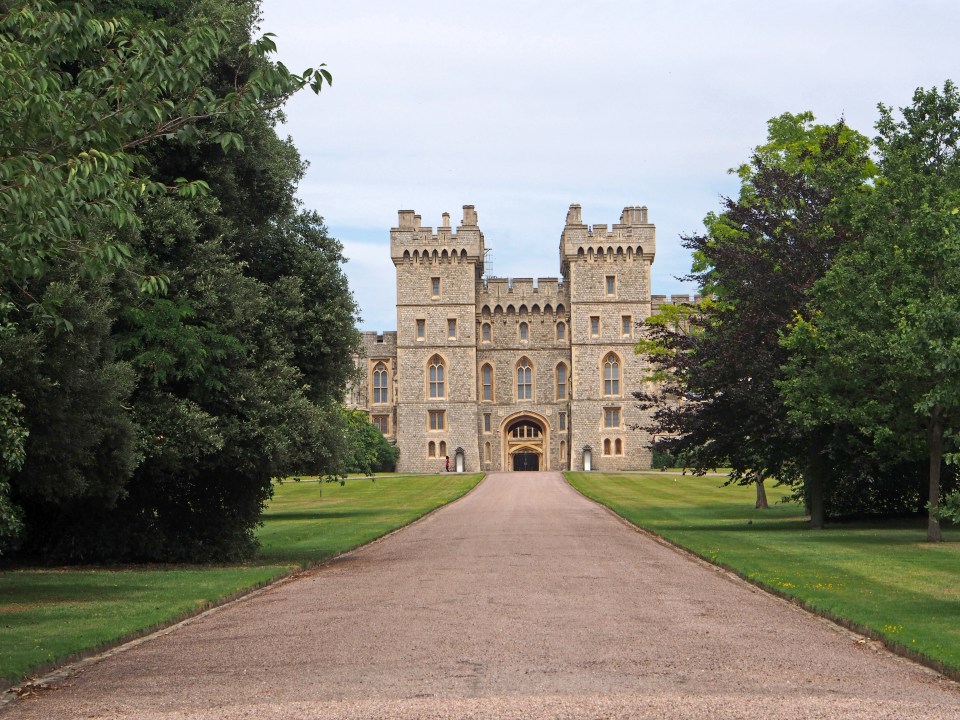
(487, 423)
(451, 328)
(562, 421)
(484, 385)
(595, 326)
(561, 331)
(618, 446)
(486, 332)
(436, 420)
(611, 386)
(607, 446)
(612, 417)
(566, 381)
(563, 451)
(487, 453)
(431, 449)
(436, 376)
(530, 378)
(381, 392)
(421, 330)
(376, 419)
(435, 287)
(523, 331)
(626, 326)
(610, 285)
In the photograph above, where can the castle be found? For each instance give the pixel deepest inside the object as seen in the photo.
(505, 374)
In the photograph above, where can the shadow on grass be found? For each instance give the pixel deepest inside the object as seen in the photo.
(317, 515)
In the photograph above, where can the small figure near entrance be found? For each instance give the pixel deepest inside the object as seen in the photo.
(447, 465)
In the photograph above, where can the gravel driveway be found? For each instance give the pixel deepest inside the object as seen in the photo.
(522, 600)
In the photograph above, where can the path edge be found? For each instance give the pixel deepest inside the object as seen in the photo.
(942, 670)
(77, 662)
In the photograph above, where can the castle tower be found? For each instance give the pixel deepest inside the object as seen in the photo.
(436, 388)
(608, 273)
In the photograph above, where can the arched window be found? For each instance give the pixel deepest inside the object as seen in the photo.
(487, 452)
(561, 331)
(436, 377)
(380, 383)
(443, 448)
(431, 449)
(618, 446)
(611, 375)
(563, 451)
(562, 381)
(524, 380)
(523, 331)
(486, 381)
(606, 446)
(485, 332)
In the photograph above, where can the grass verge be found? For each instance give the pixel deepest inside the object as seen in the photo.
(52, 616)
(881, 578)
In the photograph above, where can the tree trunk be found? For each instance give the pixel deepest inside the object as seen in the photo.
(814, 481)
(761, 496)
(935, 446)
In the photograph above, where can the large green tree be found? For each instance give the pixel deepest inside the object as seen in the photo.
(718, 404)
(882, 349)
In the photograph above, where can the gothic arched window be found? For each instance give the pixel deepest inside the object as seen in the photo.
(524, 380)
(485, 332)
(523, 331)
(436, 377)
(561, 331)
(486, 381)
(380, 383)
(611, 375)
(562, 381)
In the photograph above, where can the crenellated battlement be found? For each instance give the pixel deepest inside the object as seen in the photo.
(658, 301)
(522, 295)
(634, 237)
(412, 241)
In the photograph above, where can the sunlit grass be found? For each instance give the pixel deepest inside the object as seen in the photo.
(49, 615)
(882, 576)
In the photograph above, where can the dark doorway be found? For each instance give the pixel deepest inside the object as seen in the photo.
(526, 461)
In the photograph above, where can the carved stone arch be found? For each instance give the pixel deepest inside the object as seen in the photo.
(538, 442)
(416, 256)
(560, 310)
(511, 310)
(463, 254)
(406, 254)
(611, 362)
(444, 255)
(435, 256)
(498, 310)
(547, 309)
(619, 250)
(485, 311)
(534, 309)
(610, 250)
(639, 251)
(629, 252)
(434, 361)
(580, 252)
(522, 310)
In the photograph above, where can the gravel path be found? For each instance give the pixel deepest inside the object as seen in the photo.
(522, 600)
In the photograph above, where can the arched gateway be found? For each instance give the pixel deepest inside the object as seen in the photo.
(526, 442)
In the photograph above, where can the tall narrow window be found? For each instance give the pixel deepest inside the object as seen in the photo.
(627, 329)
(486, 422)
(452, 328)
(611, 417)
(437, 420)
(524, 380)
(611, 375)
(421, 329)
(523, 331)
(486, 380)
(435, 287)
(382, 422)
(561, 381)
(436, 377)
(561, 331)
(485, 332)
(431, 449)
(606, 446)
(380, 383)
(563, 451)
(487, 453)
(611, 285)
(562, 420)
(443, 448)
(618, 447)
(594, 325)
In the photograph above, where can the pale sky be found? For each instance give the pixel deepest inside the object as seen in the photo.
(521, 108)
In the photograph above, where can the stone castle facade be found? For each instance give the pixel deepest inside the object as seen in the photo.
(505, 374)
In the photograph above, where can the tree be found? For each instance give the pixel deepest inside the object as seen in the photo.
(719, 404)
(882, 349)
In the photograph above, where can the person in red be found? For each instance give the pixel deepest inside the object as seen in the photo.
(447, 466)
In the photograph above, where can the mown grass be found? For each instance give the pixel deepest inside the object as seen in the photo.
(880, 576)
(48, 616)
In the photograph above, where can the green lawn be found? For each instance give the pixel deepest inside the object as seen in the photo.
(880, 576)
(48, 615)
